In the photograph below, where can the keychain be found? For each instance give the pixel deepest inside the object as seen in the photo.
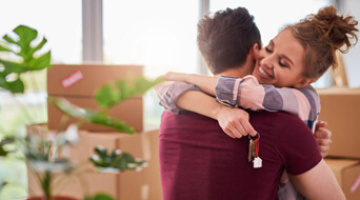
(257, 160)
(253, 155)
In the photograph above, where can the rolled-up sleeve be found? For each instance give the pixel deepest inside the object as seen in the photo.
(227, 89)
(170, 95)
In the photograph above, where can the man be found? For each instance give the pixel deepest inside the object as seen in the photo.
(198, 161)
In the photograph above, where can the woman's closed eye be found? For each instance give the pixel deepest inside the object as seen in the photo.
(282, 63)
(268, 49)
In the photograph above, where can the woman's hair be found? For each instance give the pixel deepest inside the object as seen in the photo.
(322, 35)
(226, 38)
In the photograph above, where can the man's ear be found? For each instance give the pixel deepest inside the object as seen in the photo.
(304, 82)
(254, 51)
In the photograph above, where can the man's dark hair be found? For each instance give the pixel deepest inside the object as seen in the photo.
(225, 39)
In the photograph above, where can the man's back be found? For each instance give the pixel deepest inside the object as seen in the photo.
(199, 161)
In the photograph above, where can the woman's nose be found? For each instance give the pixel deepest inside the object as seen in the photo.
(267, 62)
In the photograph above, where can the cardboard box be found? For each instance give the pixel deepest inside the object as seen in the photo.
(340, 107)
(347, 173)
(79, 83)
(143, 185)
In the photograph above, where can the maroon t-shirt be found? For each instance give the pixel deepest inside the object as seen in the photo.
(198, 161)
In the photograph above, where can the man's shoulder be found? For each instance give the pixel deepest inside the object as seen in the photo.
(274, 115)
(278, 121)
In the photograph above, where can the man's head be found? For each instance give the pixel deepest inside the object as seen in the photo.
(225, 39)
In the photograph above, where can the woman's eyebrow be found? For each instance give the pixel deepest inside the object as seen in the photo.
(271, 43)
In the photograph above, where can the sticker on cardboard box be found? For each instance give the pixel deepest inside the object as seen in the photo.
(72, 79)
(355, 185)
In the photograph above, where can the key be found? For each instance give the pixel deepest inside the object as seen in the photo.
(251, 154)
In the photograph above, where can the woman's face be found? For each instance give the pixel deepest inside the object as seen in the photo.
(280, 63)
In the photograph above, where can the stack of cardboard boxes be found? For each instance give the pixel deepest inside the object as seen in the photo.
(340, 107)
(78, 84)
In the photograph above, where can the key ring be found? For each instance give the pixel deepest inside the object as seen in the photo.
(258, 136)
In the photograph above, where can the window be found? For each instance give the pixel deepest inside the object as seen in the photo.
(59, 21)
(158, 34)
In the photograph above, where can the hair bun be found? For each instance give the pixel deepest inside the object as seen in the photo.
(337, 30)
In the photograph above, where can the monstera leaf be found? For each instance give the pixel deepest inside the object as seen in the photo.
(23, 53)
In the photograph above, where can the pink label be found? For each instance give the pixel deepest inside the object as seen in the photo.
(72, 79)
(355, 185)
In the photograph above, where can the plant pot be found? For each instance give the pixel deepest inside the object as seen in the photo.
(57, 197)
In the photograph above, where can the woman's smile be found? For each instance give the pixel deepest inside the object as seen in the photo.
(263, 74)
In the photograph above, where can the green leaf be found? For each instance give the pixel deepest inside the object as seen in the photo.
(102, 152)
(88, 115)
(38, 47)
(14, 67)
(99, 196)
(8, 39)
(24, 59)
(108, 96)
(101, 119)
(26, 36)
(16, 86)
(2, 48)
(41, 62)
(115, 159)
(3, 152)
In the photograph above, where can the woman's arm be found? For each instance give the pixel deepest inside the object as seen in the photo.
(234, 121)
(318, 183)
(177, 96)
(169, 93)
(205, 83)
(248, 93)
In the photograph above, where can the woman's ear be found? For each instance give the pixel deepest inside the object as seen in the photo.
(304, 82)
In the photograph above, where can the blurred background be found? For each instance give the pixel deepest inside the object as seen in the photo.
(158, 34)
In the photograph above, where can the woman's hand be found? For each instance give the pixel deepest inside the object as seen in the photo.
(323, 138)
(235, 122)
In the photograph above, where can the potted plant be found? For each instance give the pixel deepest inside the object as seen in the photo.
(41, 151)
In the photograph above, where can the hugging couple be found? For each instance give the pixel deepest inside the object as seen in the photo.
(251, 131)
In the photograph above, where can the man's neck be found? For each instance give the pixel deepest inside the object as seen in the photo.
(237, 72)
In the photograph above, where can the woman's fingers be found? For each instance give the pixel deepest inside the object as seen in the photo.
(324, 150)
(323, 133)
(233, 129)
(248, 128)
(229, 132)
(320, 124)
(323, 138)
(235, 122)
(239, 129)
